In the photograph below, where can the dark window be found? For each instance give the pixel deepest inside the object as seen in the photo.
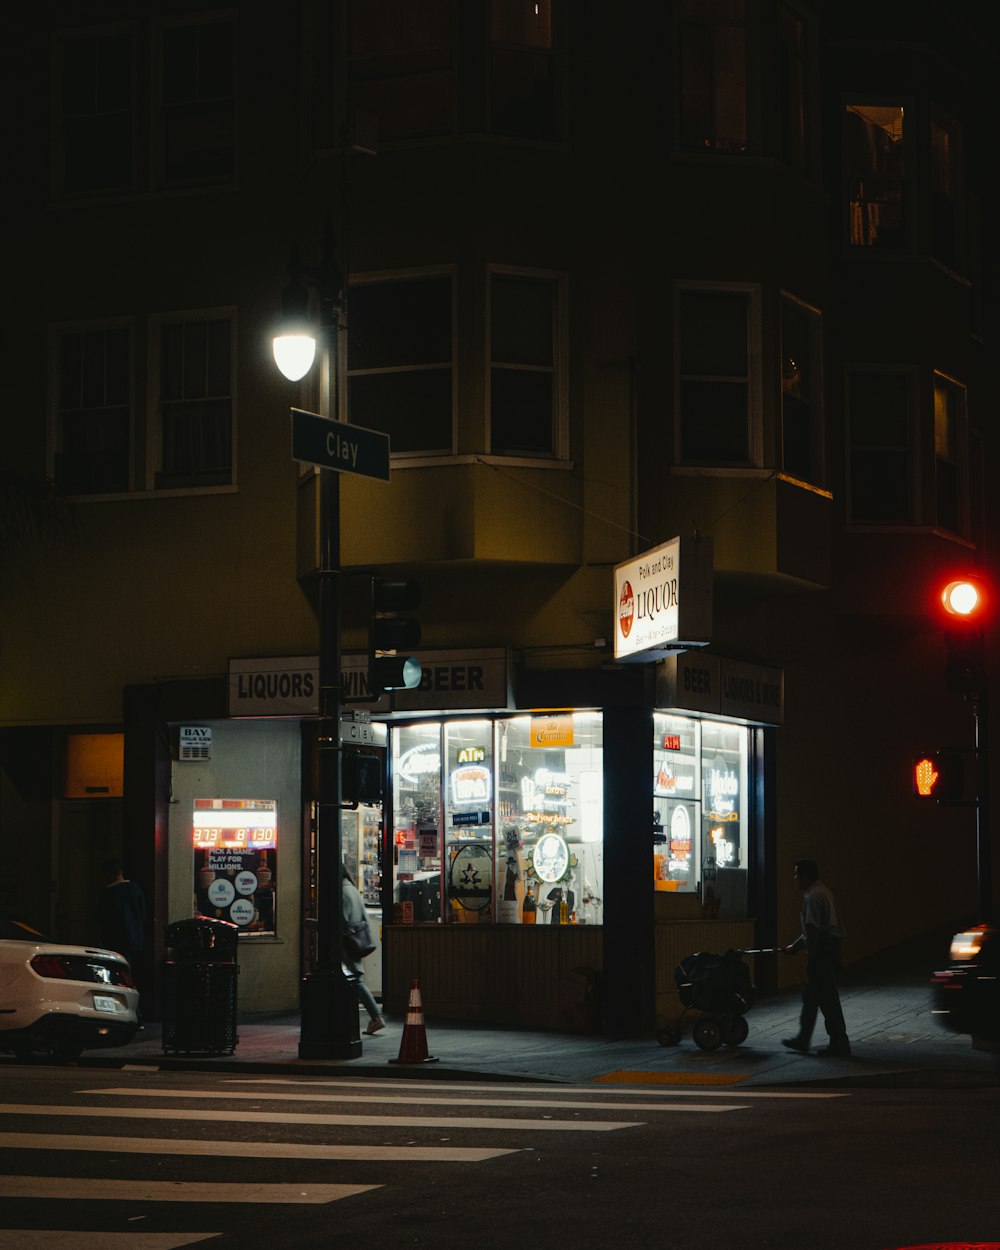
(713, 76)
(880, 440)
(94, 413)
(801, 394)
(949, 446)
(196, 406)
(97, 114)
(197, 102)
(402, 65)
(714, 377)
(522, 365)
(876, 176)
(400, 361)
(792, 64)
(944, 195)
(522, 89)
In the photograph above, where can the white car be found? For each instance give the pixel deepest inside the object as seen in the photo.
(59, 1000)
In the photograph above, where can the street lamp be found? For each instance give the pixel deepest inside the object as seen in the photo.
(329, 1003)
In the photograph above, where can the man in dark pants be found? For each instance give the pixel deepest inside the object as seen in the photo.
(822, 934)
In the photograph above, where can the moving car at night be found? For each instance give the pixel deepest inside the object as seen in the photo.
(59, 1000)
(967, 992)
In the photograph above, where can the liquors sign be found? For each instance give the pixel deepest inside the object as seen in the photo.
(663, 600)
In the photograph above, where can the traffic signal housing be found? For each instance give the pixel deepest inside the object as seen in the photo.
(965, 603)
(938, 775)
(391, 635)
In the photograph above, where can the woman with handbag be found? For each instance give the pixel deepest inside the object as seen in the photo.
(356, 944)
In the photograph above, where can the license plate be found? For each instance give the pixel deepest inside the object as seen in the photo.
(102, 1003)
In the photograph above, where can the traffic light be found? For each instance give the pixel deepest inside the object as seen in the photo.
(361, 778)
(390, 636)
(964, 603)
(938, 775)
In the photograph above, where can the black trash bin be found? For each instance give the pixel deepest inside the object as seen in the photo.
(199, 987)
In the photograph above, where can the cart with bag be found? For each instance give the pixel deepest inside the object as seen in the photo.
(719, 988)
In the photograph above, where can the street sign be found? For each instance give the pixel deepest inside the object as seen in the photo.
(337, 445)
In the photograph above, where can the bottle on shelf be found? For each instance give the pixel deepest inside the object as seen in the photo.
(528, 909)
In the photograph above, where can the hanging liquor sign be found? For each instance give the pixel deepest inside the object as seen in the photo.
(663, 601)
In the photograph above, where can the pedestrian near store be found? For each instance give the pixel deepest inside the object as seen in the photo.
(121, 915)
(355, 916)
(822, 934)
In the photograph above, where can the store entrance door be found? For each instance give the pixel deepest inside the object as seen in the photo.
(86, 833)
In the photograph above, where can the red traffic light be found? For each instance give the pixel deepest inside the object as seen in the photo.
(963, 598)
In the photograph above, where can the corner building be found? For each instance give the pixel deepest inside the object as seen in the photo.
(716, 272)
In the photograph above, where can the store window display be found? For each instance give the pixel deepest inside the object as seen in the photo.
(498, 820)
(699, 812)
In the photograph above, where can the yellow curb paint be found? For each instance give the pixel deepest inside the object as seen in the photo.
(628, 1077)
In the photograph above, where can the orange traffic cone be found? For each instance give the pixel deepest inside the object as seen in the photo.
(413, 1047)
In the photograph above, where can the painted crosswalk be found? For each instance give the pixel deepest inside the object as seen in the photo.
(490, 1124)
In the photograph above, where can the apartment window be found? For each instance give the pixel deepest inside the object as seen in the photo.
(792, 89)
(881, 439)
(949, 453)
(94, 143)
(522, 88)
(717, 408)
(195, 402)
(945, 194)
(876, 176)
(197, 108)
(712, 77)
(402, 66)
(93, 410)
(400, 360)
(801, 392)
(525, 391)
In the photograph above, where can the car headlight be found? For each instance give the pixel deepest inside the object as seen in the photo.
(967, 945)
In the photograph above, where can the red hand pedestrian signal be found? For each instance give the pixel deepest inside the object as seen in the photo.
(925, 777)
(939, 775)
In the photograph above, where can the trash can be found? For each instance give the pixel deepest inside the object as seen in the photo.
(199, 987)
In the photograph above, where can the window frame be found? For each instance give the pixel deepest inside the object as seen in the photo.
(58, 146)
(816, 401)
(749, 96)
(559, 369)
(161, 180)
(57, 333)
(386, 276)
(753, 378)
(959, 460)
(908, 205)
(154, 449)
(958, 199)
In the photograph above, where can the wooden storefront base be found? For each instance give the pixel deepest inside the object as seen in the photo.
(527, 976)
(533, 976)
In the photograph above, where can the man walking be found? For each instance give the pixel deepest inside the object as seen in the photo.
(822, 934)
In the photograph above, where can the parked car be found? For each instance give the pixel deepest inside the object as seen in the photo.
(967, 993)
(59, 1000)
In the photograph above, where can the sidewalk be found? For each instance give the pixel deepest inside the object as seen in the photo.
(896, 1043)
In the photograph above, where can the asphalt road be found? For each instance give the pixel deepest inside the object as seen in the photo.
(146, 1160)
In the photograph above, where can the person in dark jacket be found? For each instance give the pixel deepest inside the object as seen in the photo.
(121, 915)
(354, 912)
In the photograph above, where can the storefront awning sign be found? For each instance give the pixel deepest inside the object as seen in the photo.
(663, 601)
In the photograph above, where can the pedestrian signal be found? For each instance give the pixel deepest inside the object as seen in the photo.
(938, 775)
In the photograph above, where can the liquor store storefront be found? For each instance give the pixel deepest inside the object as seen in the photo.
(521, 846)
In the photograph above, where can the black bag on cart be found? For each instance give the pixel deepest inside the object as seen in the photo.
(715, 983)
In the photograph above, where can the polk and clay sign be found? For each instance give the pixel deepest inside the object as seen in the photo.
(663, 601)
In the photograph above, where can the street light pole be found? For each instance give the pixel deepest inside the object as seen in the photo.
(329, 1000)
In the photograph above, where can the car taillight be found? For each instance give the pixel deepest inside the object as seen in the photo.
(52, 966)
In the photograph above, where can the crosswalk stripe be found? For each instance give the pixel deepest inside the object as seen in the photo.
(297, 1117)
(81, 1239)
(554, 1092)
(427, 1099)
(113, 1189)
(252, 1149)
